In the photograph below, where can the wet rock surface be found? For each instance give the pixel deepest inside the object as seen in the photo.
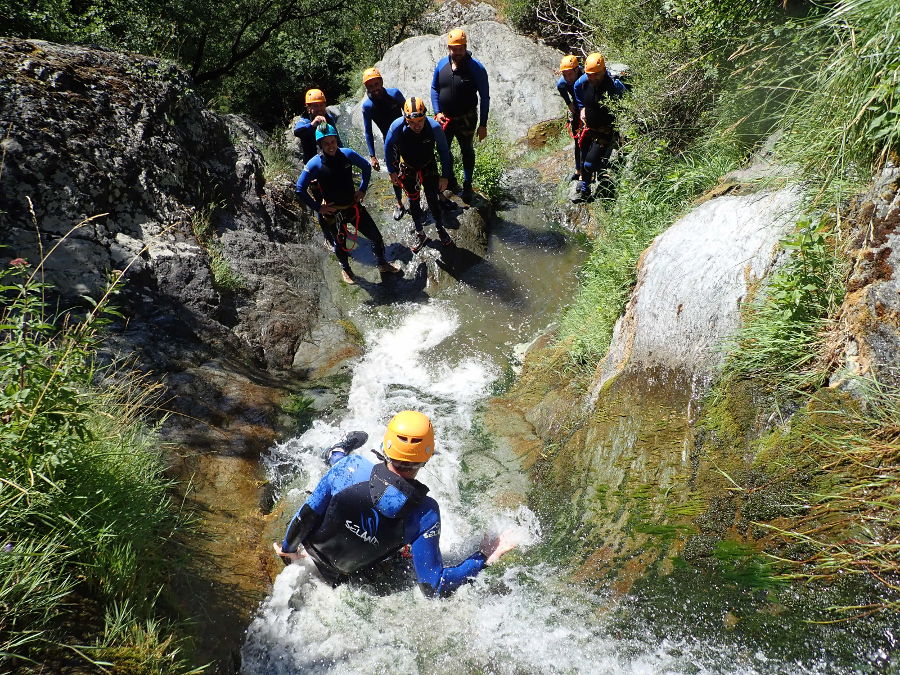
(869, 319)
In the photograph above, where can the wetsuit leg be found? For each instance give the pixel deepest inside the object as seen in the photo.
(369, 229)
(339, 238)
(409, 178)
(430, 186)
(467, 149)
(596, 154)
(576, 127)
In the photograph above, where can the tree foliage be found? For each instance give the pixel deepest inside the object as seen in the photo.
(249, 56)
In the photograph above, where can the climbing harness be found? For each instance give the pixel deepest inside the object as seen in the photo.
(349, 227)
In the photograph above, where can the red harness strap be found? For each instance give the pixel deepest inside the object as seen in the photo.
(351, 230)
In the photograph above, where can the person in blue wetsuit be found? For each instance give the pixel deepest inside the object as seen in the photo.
(311, 119)
(570, 71)
(340, 209)
(461, 100)
(593, 90)
(362, 513)
(382, 105)
(409, 157)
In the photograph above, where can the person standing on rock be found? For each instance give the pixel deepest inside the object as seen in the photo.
(363, 513)
(409, 158)
(570, 71)
(382, 105)
(593, 90)
(311, 119)
(342, 216)
(460, 97)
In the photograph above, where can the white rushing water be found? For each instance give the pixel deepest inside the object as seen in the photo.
(517, 617)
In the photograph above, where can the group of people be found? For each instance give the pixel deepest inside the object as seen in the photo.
(416, 154)
(586, 92)
(363, 513)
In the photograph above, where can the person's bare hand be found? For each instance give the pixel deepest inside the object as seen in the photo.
(395, 179)
(440, 118)
(442, 184)
(317, 120)
(482, 133)
(373, 160)
(359, 196)
(327, 209)
(288, 556)
(496, 547)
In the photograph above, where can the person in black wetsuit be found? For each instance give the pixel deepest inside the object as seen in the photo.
(570, 71)
(363, 513)
(460, 97)
(409, 158)
(592, 92)
(382, 105)
(311, 119)
(340, 209)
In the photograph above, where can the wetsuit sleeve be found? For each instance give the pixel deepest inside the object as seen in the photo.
(367, 126)
(579, 92)
(563, 90)
(435, 579)
(399, 98)
(390, 147)
(435, 98)
(484, 91)
(310, 171)
(618, 86)
(309, 515)
(359, 161)
(302, 124)
(440, 139)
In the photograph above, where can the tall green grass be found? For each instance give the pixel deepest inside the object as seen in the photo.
(781, 337)
(87, 520)
(652, 190)
(842, 119)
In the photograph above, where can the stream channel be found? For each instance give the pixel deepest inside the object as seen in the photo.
(444, 355)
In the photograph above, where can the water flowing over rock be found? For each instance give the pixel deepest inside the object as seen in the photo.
(521, 72)
(625, 443)
(691, 283)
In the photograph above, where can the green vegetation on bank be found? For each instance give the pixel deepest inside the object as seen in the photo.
(87, 521)
(712, 81)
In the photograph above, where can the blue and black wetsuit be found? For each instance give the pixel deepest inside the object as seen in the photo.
(599, 136)
(464, 96)
(306, 132)
(338, 188)
(411, 156)
(383, 111)
(567, 91)
(361, 513)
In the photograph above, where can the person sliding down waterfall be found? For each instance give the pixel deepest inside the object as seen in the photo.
(409, 158)
(460, 96)
(382, 105)
(341, 213)
(362, 513)
(597, 137)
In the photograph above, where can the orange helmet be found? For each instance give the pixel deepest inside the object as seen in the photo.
(371, 74)
(595, 63)
(456, 38)
(414, 107)
(315, 96)
(568, 63)
(409, 437)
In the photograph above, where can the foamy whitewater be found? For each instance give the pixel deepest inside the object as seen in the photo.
(526, 618)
